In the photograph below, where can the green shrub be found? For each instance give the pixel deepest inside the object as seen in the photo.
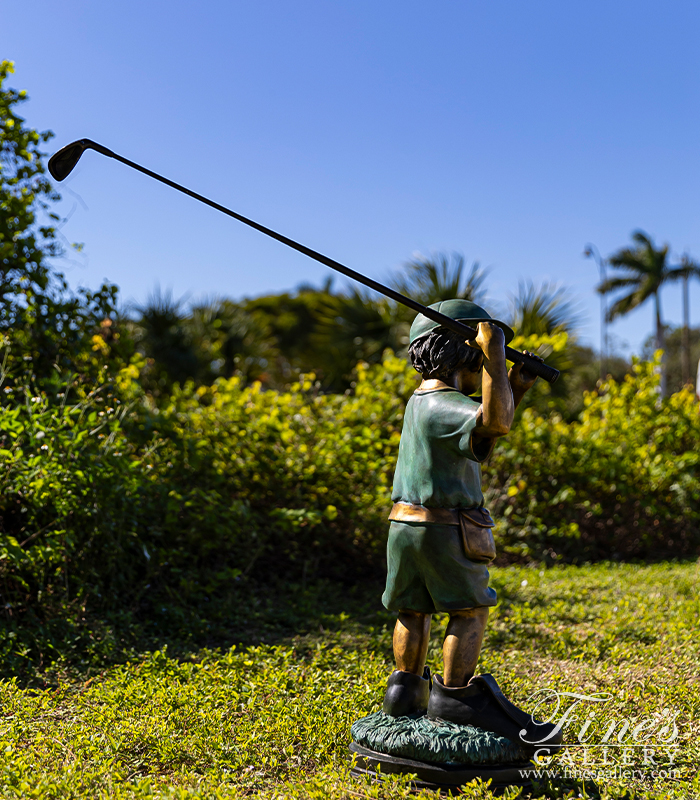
(69, 528)
(312, 470)
(623, 481)
(124, 509)
(167, 515)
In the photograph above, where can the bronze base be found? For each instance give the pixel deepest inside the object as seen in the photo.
(438, 776)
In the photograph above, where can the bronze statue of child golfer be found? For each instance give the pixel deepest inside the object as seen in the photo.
(440, 540)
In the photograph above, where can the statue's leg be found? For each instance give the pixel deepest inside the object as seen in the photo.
(467, 699)
(462, 645)
(411, 637)
(408, 688)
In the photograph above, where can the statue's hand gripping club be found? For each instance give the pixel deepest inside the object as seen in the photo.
(490, 339)
(520, 377)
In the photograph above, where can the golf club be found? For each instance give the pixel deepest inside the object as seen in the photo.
(62, 162)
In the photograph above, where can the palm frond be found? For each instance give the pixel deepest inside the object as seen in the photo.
(613, 284)
(632, 260)
(642, 238)
(545, 309)
(688, 269)
(626, 304)
(440, 277)
(161, 312)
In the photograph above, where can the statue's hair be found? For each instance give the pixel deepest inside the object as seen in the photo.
(440, 353)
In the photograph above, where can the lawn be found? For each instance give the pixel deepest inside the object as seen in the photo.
(271, 716)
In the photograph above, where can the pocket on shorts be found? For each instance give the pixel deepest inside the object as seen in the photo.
(478, 540)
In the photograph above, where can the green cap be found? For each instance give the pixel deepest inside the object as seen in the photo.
(463, 311)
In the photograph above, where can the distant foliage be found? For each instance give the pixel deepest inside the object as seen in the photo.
(674, 349)
(276, 338)
(641, 272)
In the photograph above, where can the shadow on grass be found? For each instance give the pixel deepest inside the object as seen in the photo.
(72, 646)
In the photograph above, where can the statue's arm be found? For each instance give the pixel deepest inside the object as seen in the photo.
(497, 404)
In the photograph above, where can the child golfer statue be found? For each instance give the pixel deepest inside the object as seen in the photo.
(440, 539)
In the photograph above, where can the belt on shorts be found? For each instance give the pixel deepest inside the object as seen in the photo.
(408, 512)
(474, 524)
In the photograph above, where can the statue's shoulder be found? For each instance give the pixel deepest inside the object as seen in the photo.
(443, 397)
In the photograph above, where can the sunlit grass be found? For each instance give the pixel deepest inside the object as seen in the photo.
(274, 719)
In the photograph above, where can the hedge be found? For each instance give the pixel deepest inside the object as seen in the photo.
(109, 504)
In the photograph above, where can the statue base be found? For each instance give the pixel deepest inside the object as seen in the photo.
(440, 754)
(443, 777)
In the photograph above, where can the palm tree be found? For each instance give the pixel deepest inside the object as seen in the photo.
(431, 279)
(644, 270)
(544, 310)
(160, 333)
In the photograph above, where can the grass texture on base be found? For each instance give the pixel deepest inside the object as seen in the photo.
(436, 742)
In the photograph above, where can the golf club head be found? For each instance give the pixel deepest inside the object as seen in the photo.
(63, 161)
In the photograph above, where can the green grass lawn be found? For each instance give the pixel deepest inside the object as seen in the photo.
(273, 719)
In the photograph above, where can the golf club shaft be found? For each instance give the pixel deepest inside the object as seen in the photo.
(532, 365)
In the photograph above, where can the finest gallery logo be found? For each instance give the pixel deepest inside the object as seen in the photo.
(600, 736)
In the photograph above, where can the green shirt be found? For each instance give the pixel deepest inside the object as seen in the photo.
(437, 466)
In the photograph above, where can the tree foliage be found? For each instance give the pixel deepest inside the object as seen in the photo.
(25, 193)
(548, 316)
(52, 327)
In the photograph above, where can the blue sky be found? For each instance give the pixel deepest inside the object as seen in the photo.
(514, 133)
